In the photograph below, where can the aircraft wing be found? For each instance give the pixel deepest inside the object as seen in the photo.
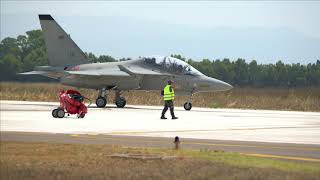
(33, 72)
(137, 70)
(119, 71)
(109, 72)
(51, 74)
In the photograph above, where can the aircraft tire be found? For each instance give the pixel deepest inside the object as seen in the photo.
(187, 106)
(60, 113)
(121, 102)
(55, 113)
(101, 102)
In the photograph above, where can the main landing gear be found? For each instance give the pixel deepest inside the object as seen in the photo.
(101, 101)
(119, 100)
(188, 105)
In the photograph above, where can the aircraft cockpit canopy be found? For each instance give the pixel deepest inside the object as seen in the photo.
(172, 65)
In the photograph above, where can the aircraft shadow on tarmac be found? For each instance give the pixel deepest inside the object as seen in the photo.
(140, 108)
(153, 108)
(127, 107)
(107, 107)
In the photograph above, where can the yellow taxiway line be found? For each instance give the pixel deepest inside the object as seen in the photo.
(283, 157)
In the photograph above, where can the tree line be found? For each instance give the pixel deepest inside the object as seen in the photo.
(241, 73)
(22, 53)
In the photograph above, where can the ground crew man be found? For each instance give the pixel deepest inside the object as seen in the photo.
(168, 97)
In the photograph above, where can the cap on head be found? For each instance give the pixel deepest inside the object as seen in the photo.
(169, 82)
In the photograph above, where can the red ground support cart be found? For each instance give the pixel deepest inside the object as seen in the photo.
(71, 102)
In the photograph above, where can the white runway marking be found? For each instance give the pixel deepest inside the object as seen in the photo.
(201, 123)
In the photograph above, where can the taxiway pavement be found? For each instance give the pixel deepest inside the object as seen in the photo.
(278, 133)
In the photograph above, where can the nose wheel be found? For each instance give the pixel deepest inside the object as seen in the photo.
(187, 106)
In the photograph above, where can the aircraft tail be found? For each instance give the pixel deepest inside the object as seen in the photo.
(61, 49)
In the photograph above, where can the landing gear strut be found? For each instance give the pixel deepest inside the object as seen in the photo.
(119, 100)
(188, 105)
(101, 101)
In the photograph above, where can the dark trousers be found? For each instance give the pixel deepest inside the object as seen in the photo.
(168, 104)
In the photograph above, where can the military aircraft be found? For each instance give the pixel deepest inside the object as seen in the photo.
(70, 65)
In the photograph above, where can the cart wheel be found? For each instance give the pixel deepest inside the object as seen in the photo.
(60, 113)
(55, 113)
(81, 115)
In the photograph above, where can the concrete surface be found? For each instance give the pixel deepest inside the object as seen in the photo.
(199, 123)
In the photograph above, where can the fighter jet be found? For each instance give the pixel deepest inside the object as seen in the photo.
(70, 66)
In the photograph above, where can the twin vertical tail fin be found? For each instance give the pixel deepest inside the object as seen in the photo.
(61, 49)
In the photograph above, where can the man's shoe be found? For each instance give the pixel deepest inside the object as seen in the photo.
(162, 117)
(175, 117)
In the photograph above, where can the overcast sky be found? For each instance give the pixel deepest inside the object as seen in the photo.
(208, 29)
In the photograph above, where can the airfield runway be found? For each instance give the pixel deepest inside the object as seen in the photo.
(277, 134)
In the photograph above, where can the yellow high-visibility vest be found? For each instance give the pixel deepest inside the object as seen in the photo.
(167, 95)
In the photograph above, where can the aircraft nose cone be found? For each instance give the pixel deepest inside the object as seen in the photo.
(218, 85)
(225, 86)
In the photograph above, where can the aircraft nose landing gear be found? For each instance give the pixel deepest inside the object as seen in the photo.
(188, 105)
